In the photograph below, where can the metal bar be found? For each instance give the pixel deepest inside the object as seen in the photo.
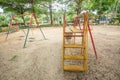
(7, 33)
(73, 35)
(92, 42)
(63, 48)
(74, 38)
(24, 32)
(42, 33)
(26, 37)
(86, 42)
(76, 21)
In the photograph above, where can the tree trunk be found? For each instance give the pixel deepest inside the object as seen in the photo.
(50, 9)
(22, 12)
(33, 10)
(23, 20)
(32, 4)
(78, 11)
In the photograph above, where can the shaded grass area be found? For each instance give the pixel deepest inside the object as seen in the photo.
(50, 25)
(13, 58)
(0, 29)
(43, 25)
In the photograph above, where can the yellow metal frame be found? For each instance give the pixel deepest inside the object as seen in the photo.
(83, 47)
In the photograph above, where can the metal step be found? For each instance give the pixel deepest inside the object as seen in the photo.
(73, 46)
(74, 57)
(73, 68)
(75, 30)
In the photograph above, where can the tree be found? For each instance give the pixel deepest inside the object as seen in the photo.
(78, 6)
(75, 5)
(104, 6)
(48, 4)
(15, 6)
(19, 6)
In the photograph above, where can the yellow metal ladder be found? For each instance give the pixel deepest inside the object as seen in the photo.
(82, 46)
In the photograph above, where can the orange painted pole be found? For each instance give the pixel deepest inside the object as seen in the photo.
(11, 23)
(92, 40)
(76, 21)
(31, 19)
(33, 14)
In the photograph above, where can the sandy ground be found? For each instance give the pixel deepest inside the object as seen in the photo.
(42, 59)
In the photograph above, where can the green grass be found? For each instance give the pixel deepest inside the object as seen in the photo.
(43, 25)
(23, 27)
(49, 25)
(0, 29)
(13, 58)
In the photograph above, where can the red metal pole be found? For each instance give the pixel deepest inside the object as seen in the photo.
(92, 41)
(76, 21)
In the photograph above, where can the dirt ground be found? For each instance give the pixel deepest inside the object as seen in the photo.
(42, 59)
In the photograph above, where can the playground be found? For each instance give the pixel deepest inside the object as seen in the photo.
(42, 59)
(59, 40)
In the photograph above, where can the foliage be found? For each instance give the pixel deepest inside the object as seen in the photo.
(4, 20)
(45, 9)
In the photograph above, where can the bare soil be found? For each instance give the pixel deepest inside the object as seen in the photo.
(42, 59)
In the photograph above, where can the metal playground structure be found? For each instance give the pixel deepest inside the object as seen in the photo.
(74, 33)
(69, 33)
(29, 25)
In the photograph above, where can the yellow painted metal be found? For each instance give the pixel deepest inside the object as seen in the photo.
(83, 47)
(74, 57)
(86, 44)
(73, 46)
(73, 68)
(74, 30)
(63, 49)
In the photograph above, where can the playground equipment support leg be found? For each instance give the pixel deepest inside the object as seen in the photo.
(92, 42)
(24, 32)
(26, 37)
(42, 33)
(7, 33)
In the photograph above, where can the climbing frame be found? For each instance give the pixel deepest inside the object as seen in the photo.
(75, 33)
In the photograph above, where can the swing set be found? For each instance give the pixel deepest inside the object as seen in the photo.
(29, 25)
(81, 33)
